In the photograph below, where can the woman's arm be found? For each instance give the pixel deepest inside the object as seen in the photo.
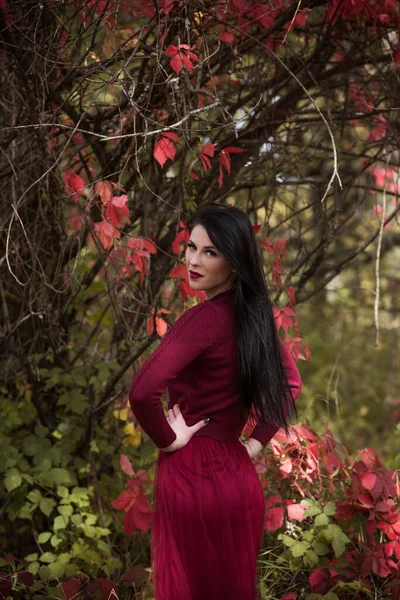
(193, 333)
(261, 433)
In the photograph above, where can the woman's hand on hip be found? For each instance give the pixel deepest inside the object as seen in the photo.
(253, 447)
(183, 433)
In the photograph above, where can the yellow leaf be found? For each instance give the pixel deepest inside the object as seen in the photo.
(121, 414)
(133, 436)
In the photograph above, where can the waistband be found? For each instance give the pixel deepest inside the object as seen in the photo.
(217, 431)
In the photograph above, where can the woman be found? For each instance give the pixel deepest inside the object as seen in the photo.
(222, 362)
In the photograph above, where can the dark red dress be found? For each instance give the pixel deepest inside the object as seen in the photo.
(209, 504)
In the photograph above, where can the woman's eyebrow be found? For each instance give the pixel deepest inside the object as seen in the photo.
(207, 247)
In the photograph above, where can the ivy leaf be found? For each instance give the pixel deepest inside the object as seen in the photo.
(46, 505)
(48, 557)
(299, 548)
(126, 465)
(12, 480)
(321, 549)
(330, 509)
(44, 537)
(310, 559)
(34, 496)
(286, 539)
(321, 520)
(164, 148)
(274, 518)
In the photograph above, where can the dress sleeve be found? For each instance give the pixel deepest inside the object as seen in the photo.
(195, 331)
(264, 433)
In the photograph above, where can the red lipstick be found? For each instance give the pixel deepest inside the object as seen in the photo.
(194, 275)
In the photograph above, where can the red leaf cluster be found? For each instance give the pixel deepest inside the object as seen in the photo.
(274, 518)
(225, 161)
(134, 502)
(141, 250)
(181, 56)
(164, 148)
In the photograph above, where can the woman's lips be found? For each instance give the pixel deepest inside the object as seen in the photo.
(194, 275)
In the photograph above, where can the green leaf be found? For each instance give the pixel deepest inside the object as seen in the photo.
(57, 570)
(321, 520)
(44, 573)
(299, 548)
(330, 509)
(310, 559)
(47, 505)
(57, 476)
(339, 544)
(33, 568)
(64, 558)
(65, 510)
(41, 431)
(330, 596)
(30, 445)
(12, 479)
(312, 511)
(71, 569)
(62, 491)
(31, 557)
(44, 537)
(60, 522)
(55, 541)
(321, 549)
(89, 531)
(336, 537)
(77, 520)
(48, 557)
(34, 496)
(313, 597)
(288, 541)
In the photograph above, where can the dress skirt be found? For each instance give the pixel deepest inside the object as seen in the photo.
(208, 523)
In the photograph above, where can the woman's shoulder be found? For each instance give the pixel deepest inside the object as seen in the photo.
(202, 317)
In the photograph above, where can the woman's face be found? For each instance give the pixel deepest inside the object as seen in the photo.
(203, 257)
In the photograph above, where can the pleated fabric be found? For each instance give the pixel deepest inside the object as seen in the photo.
(208, 523)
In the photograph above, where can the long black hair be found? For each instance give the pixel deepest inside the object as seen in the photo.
(265, 394)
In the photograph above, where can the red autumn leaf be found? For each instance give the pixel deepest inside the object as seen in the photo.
(181, 56)
(290, 596)
(225, 161)
(273, 499)
(179, 271)
(74, 185)
(226, 36)
(125, 464)
(104, 190)
(171, 135)
(182, 236)
(138, 516)
(164, 148)
(256, 229)
(193, 175)
(141, 249)
(283, 318)
(296, 512)
(286, 467)
(161, 326)
(106, 233)
(206, 152)
(368, 481)
(70, 588)
(274, 518)
(117, 210)
(107, 589)
(122, 501)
